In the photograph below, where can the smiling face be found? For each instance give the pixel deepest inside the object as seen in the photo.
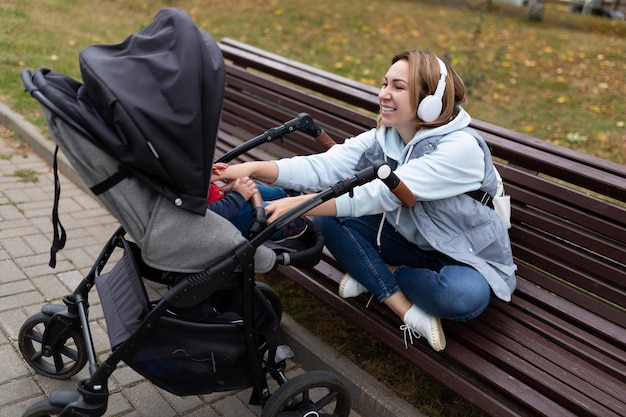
(396, 109)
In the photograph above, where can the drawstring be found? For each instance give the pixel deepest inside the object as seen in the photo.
(380, 231)
(398, 213)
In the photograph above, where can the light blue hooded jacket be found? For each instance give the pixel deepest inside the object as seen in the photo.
(439, 165)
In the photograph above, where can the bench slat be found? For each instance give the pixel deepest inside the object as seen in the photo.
(586, 176)
(499, 135)
(273, 65)
(530, 359)
(602, 354)
(345, 122)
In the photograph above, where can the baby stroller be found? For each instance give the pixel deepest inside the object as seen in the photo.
(141, 133)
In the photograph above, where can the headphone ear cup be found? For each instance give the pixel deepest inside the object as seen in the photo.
(429, 108)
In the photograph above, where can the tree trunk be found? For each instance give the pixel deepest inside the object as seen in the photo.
(536, 10)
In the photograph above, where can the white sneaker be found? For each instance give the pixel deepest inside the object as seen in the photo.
(417, 323)
(350, 287)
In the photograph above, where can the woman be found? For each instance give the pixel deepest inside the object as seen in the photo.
(445, 256)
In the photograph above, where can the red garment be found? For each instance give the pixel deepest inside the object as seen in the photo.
(215, 193)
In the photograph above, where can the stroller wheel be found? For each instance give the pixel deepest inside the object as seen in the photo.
(60, 363)
(272, 297)
(311, 394)
(42, 409)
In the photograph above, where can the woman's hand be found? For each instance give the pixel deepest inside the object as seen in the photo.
(265, 171)
(277, 208)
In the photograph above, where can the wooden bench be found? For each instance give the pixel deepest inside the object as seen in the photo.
(559, 348)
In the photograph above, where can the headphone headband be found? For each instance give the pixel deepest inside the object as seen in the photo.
(441, 85)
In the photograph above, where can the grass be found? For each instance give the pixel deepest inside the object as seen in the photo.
(562, 80)
(26, 175)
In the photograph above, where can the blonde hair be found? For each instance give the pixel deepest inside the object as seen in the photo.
(423, 78)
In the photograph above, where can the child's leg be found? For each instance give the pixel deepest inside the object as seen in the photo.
(271, 193)
(243, 219)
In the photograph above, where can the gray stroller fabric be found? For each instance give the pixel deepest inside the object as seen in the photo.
(171, 239)
(123, 298)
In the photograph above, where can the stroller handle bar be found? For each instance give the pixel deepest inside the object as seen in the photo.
(27, 80)
(395, 184)
(302, 122)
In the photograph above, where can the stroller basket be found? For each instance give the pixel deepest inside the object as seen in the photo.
(188, 351)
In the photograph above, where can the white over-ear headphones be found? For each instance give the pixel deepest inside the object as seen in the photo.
(430, 107)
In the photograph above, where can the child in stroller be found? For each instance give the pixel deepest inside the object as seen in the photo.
(124, 143)
(238, 201)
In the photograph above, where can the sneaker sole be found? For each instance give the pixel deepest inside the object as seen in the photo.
(342, 285)
(439, 338)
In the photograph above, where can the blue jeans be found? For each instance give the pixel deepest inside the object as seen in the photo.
(431, 280)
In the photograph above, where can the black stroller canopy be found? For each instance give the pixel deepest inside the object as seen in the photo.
(154, 103)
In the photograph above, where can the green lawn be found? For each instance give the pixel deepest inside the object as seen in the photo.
(562, 80)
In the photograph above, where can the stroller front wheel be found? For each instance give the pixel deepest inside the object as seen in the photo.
(60, 362)
(311, 394)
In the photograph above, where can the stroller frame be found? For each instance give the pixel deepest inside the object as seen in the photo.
(70, 320)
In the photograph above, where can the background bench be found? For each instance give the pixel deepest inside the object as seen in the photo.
(559, 348)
